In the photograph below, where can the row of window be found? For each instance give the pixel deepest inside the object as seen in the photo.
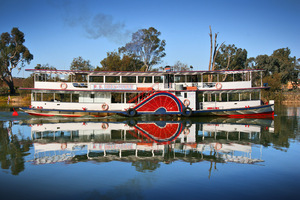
(144, 79)
(136, 97)
(223, 97)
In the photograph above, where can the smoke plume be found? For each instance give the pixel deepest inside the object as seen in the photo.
(95, 26)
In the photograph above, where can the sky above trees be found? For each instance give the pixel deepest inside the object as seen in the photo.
(56, 32)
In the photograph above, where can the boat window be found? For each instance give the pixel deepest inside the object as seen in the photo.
(191, 78)
(210, 78)
(226, 77)
(255, 95)
(128, 79)
(221, 97)
(48, 97)
(37, 97)
(63, 97)
(80, 77)
(117, 98)
(205, 77)
(96, 79)
(245, 96)
(112, 79)
(180, 79)
(158, 79)
(145, 79)
(75, 98)
(233, 96)
(132, 97)
(61, 78)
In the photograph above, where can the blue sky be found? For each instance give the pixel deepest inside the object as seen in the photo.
(56, 31)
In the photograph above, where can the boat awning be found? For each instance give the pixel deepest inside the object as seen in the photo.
(243, 90)
(139, 73)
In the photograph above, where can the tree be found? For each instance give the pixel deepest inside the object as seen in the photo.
(13, 54)
(117, 62)
(231, 58)
(280, 62)
(284, 64)
(179, 66)
(146, 46)
(80, 64)
(214, 49)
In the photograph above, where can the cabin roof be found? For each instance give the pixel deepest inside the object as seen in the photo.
(138, 73)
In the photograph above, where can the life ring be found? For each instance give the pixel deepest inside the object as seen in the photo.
(186, 102)
(218, 146)
(104, 125)
(63, 86)
(218, 86)
(105, 106)
(186, 131)
(63, 146)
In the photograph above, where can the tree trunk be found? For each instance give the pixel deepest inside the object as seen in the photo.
(10, 83)
(211, 47)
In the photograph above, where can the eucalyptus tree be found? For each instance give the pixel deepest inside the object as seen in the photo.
(146, 46)
(117, 62)
(13, 55)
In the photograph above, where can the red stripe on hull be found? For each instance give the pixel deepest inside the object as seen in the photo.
(40, 114)
(52, 115)
(253, 115)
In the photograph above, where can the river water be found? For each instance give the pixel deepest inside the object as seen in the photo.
(150, 158)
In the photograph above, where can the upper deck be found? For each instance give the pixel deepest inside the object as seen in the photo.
(140, 81)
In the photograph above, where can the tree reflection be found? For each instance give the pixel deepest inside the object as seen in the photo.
(12, 149)
(145, 165)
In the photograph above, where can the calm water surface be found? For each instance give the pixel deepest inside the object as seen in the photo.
(118, 158)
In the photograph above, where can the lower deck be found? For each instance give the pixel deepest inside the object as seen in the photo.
(122, 101)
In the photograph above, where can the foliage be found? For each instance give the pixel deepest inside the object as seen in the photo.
(12, 152)
(146, 46)
(179, 66)
(80, 64)
(280, 62)
(231, 58)
(274, 93)
(115, 62)
(45, 66)
(13, 54)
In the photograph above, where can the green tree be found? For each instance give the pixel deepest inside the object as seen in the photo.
(13, 54)
(179, 66)
(117, 62)
(80, 64)
(146, 46)
(284, 64)
(280, 62)
(231, 58)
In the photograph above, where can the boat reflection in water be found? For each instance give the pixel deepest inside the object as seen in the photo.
(217, 141)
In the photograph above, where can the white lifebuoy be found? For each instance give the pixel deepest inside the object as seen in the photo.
(218, 146)
(186, 131)
(104, 125)
(186, 102)
(63, 86)
(218, 86)
(63, 146)
(105, 106)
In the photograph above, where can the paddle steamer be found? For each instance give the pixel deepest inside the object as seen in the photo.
(67, 93)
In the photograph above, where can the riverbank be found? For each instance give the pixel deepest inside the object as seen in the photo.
(291, 97)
